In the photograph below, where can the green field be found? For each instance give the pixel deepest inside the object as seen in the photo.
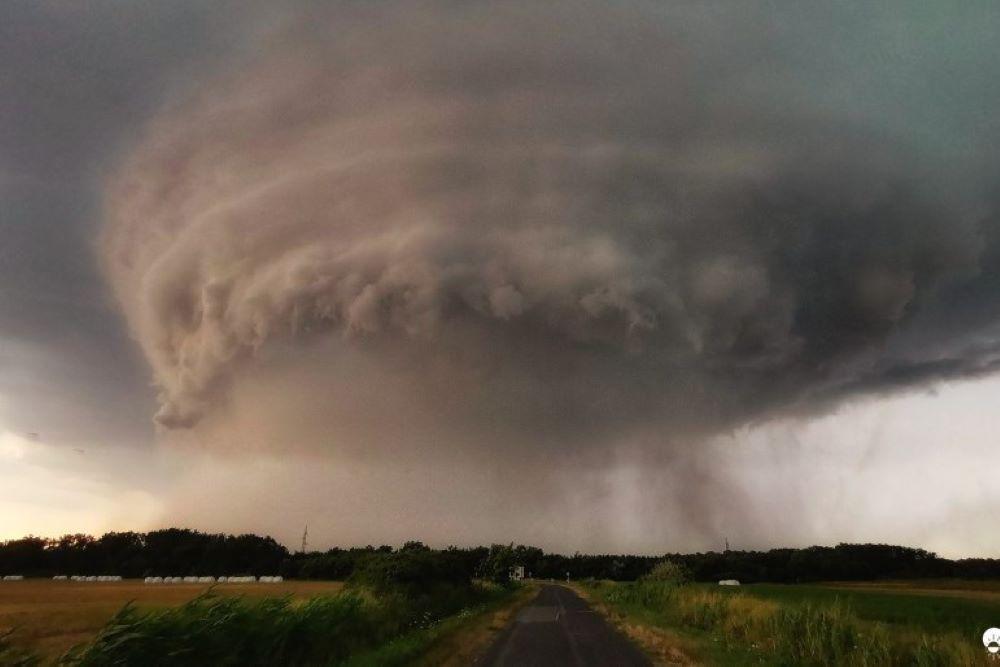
(915, 607)
(897, 623)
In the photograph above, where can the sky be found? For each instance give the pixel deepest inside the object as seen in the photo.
(640, 277)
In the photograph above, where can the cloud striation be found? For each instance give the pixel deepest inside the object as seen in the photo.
(560, 226)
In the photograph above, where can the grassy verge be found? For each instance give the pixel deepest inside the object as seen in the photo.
(663, 644)
(720, 626)
(456, 640)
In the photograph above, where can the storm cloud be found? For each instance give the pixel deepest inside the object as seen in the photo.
(552, 221)
(609, 276)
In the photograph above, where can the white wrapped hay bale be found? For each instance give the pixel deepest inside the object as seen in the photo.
(729, 582)
(90, 579)
(190, 580)
(206, 580)
(14, 577)
(221, 580)
(60, 577)
(278, 579)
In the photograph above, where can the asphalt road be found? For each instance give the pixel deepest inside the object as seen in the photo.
(559, 628)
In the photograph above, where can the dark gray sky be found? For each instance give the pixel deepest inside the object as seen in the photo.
(416, 262)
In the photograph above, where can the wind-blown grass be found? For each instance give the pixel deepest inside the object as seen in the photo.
(238, 631)
(739, 628)
(356, 627)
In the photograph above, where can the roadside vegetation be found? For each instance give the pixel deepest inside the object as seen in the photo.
(48, 617)
(799, 625)
(393, 610)
(354, 628)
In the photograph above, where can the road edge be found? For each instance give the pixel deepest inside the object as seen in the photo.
(659, 645)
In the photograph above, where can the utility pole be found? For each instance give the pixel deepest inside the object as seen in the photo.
(727, 545)
(305, 535)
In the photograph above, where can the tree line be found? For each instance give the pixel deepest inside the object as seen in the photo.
(181, 552)
(169, 552)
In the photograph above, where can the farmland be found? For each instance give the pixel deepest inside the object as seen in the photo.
(872, 623)
(913, 605)
(48, 617)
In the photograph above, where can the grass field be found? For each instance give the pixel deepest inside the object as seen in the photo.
(876, 623)
(914, 605)
(48, 617)
(961, 588)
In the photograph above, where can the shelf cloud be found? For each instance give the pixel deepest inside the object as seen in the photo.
(609, 276)
(569, 224)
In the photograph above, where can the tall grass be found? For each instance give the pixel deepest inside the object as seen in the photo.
(237, 631)
(360, 626)
(800, 634)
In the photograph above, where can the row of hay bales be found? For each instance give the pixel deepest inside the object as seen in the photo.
(14, 577)
(213, 580)
(80, 577)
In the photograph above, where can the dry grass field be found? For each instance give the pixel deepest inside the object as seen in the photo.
(49, 617)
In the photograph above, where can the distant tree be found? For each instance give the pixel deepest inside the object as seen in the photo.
(25, 556)
(668, 572)
(176, 551)
(497, 563)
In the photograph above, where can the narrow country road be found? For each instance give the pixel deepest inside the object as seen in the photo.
(559, 628)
